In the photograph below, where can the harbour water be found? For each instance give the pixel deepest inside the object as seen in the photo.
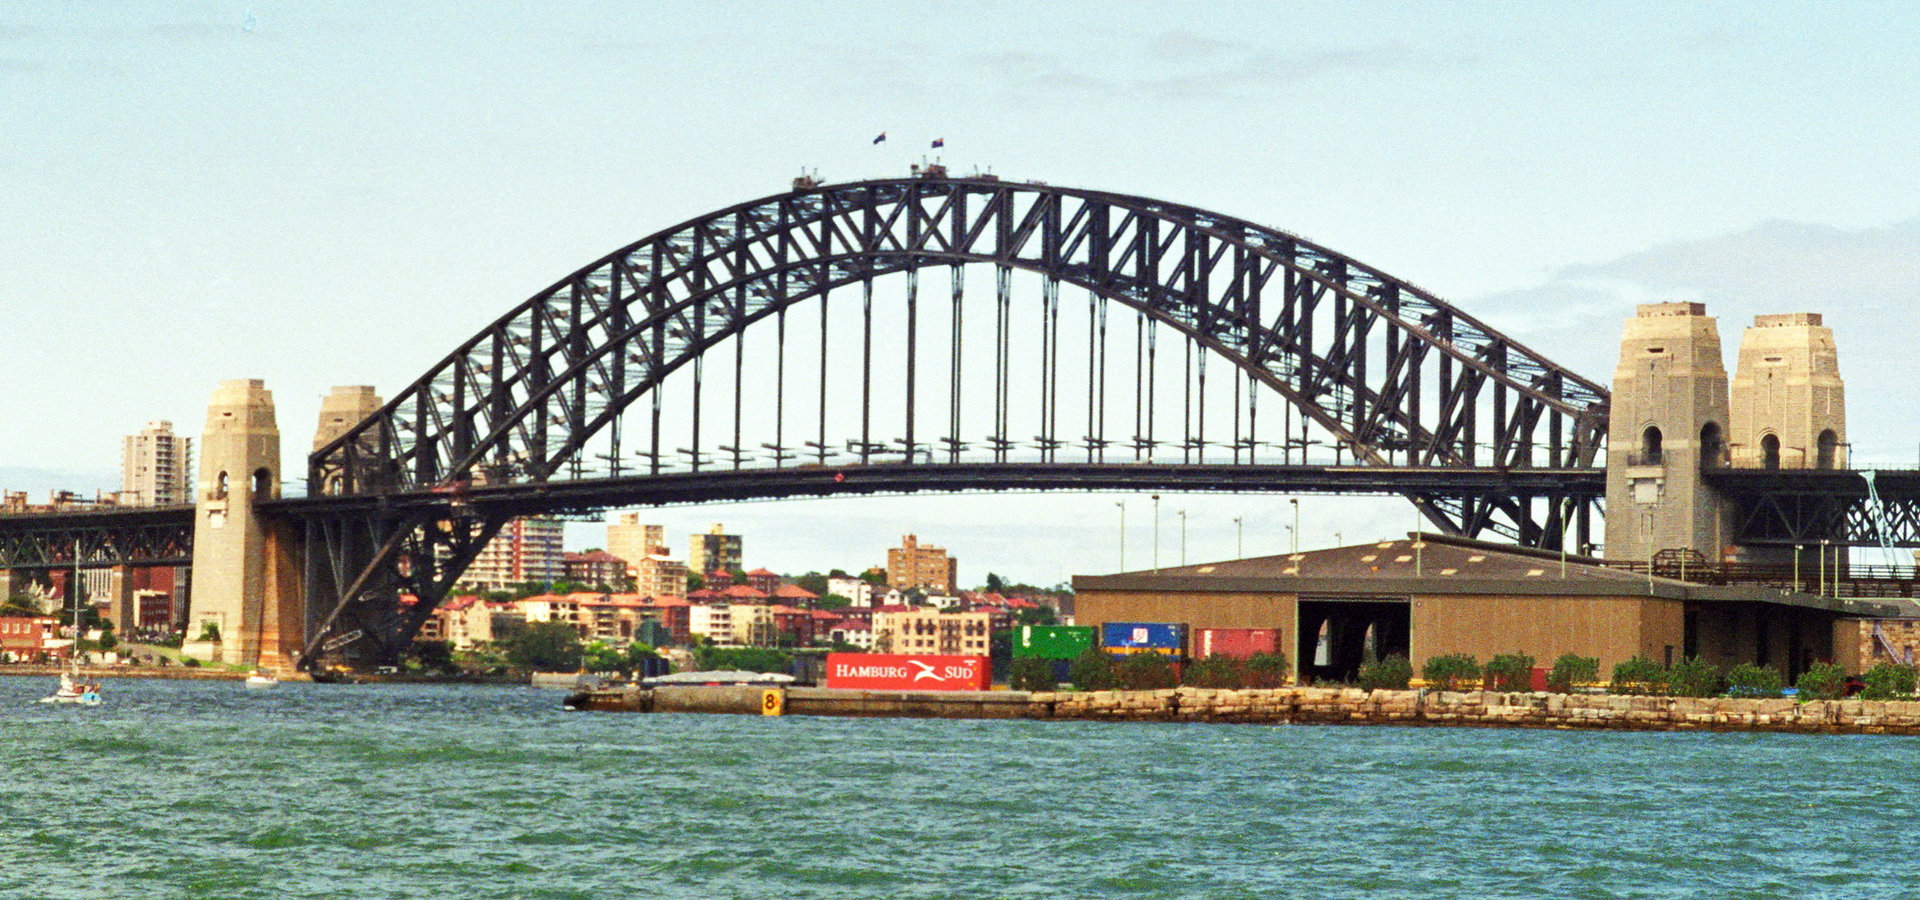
(206, 790)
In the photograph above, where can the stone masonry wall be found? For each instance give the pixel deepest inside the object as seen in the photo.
(1301, 706)
(1351, 706)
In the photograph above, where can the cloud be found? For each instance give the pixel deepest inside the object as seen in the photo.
(1864, 282)
(1181, 66)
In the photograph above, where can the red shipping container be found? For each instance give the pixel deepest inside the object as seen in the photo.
(1236, 643)
(904, 672)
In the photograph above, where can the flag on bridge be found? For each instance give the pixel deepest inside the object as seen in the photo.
(939, 142)
(882, 137)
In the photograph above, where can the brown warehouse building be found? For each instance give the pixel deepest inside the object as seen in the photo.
(1432, 595)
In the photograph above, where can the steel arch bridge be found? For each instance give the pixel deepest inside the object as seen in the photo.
(1382, 370)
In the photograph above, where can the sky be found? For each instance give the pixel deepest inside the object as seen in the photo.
(321, 194)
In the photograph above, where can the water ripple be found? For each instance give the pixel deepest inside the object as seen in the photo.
(183, 789)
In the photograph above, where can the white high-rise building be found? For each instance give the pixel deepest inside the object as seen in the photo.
(156, 467)
(527, 549)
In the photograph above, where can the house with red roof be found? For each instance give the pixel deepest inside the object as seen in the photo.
(852, 631)
(763, 581)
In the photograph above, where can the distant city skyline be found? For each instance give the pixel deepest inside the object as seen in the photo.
(340, 195)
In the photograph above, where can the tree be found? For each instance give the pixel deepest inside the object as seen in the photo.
(1039, 615)
(995, 583)
(546, 646)
(813, 583)
(695, 581)
(600, 656)
(832, 601)
(435, 656)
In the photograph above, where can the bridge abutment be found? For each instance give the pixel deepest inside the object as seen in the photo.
(1674, 416)
(1669, 419)
(235, 592)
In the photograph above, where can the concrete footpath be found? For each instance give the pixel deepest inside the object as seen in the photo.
(178, 673)
(1289, 706)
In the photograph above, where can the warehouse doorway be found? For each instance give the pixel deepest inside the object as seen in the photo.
(1337, 635)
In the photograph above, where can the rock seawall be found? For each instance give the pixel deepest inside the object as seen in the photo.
(1350, 706)
(1299, 706)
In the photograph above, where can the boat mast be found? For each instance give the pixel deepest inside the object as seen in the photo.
(73, 653)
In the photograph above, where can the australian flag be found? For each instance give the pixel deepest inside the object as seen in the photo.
(939, 142)
(882, 137)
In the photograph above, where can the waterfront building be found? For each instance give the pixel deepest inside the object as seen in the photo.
(596, 567)
(764, 581)
(753, 624)
(854, 632)
(527, 550)
(632, 540)
(156, 467)
(465, 621)
(1438, 595)
(914, 630)
(673, 614)
(858, 592)
(913, 565)
(29, 638)
(713, 550)
(658, 576)
(712, 622)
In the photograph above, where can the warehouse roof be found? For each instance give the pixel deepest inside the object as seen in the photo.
(1438, 564)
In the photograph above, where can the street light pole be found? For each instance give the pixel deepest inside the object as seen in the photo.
(1183, 535)
(1239, 539)
(1294, 532)
(1156, 532)
(1797, 586)
(1123, 533)
(1823, 567)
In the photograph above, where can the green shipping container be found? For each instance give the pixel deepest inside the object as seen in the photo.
(1052, 641)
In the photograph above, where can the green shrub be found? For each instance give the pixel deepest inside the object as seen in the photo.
(1694, 677)
(1093, 671)
(1030, 674)
(1571, 671)
(1452, 672)
(1639, 675)
(1821, 681)
(1889, 681)
(1267, 670)
(1146, 672)
(1391, 674)
(1215, 672)
(1749, 680)
(1510, 672)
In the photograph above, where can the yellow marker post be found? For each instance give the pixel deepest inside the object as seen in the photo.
(773, 702)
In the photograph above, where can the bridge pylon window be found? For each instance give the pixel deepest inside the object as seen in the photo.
(1713, 446)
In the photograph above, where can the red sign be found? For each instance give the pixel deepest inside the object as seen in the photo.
(898, 672)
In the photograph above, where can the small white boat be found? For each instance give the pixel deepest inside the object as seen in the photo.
(261, 681)
(73, 692)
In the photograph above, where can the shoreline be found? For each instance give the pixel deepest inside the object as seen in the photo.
(1291, 706)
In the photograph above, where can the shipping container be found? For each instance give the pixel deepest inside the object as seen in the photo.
(1169, 638)
(1236, 643)
(907, 672)
(1052, 641)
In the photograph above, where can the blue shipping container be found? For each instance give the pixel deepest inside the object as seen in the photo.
(1168, 636)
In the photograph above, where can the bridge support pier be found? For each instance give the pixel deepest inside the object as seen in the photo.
(240, 588)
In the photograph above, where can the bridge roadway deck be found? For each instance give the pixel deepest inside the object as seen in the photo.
(562, 496)
(106, 535)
